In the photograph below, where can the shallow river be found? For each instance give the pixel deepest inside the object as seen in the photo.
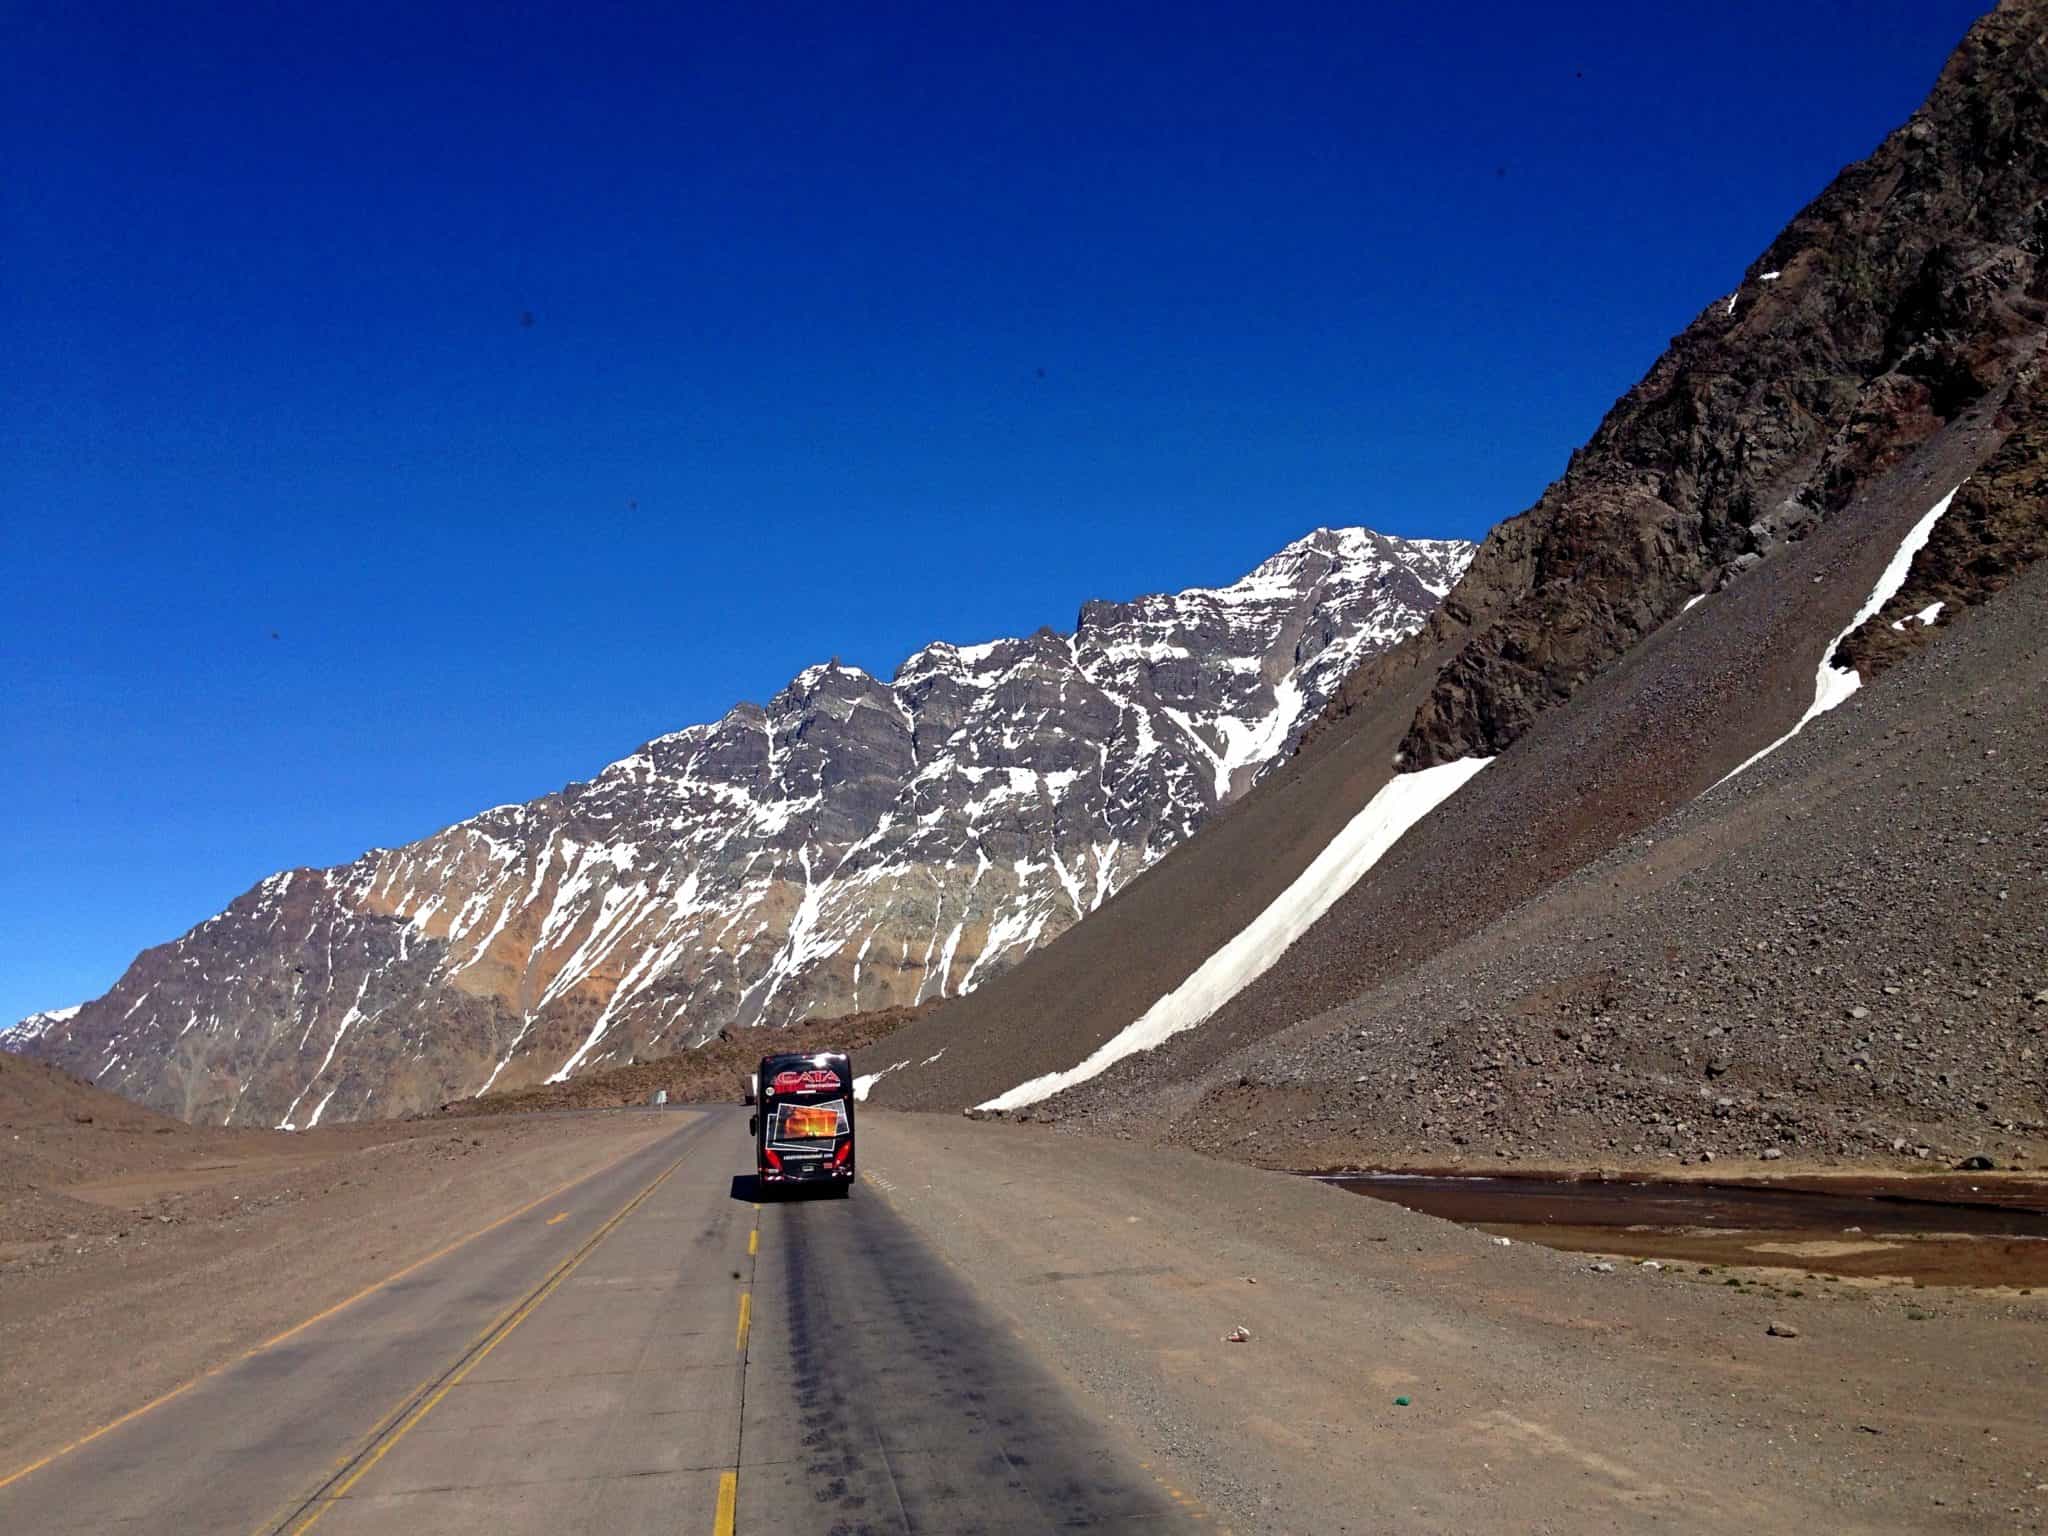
(1950, 1230)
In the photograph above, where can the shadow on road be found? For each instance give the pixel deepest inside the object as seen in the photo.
(749, 1187)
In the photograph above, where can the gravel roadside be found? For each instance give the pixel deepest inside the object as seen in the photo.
(1403, 1373)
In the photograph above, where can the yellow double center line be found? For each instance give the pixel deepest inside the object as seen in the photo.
(403, 1420)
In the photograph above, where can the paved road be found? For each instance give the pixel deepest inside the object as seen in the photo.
(652, 1352)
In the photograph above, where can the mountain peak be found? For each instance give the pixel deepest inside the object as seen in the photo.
(20, 1035)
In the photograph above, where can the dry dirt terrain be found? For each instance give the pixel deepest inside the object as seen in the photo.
(1400, 1372)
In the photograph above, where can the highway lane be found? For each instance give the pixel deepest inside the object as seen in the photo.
(651, 1351)
(880, 1397)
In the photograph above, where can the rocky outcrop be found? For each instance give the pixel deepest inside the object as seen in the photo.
(1907, 297)
(1994, 529)
(854, 845)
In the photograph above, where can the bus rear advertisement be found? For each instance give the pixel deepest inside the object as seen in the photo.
(803, 1132)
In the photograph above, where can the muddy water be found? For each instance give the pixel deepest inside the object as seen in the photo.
(1936, 1232)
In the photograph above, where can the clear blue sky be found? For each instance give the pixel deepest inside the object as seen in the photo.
(405, 409)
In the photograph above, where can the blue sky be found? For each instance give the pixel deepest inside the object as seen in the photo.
(404, 410)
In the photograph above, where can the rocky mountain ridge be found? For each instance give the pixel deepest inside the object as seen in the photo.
(854, 845)
(22, 1034)
(1909, 297)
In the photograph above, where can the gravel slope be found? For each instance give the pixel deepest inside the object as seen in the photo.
(1840, 955)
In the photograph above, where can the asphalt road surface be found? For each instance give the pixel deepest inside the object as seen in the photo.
(651, 1351)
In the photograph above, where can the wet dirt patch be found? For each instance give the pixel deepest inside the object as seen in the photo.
(1949, 1233)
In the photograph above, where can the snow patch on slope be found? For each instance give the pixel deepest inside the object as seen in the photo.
(1834, 685)
(1401, 803)
(865, 1083)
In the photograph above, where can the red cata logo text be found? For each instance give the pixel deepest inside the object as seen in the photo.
(816, 1080)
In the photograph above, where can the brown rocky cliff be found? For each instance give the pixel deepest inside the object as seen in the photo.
(1904, 298)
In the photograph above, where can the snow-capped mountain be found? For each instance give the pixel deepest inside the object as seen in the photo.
(857, 844)
(21, 1035)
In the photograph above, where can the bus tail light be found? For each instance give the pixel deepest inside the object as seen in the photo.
(845, 1151)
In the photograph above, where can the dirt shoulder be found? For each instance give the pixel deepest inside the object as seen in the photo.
(1542, 1393)
(186, 1248)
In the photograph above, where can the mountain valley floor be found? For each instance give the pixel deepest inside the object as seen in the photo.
(1401, 1372)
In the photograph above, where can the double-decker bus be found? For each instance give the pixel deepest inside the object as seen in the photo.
(803, 1131)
